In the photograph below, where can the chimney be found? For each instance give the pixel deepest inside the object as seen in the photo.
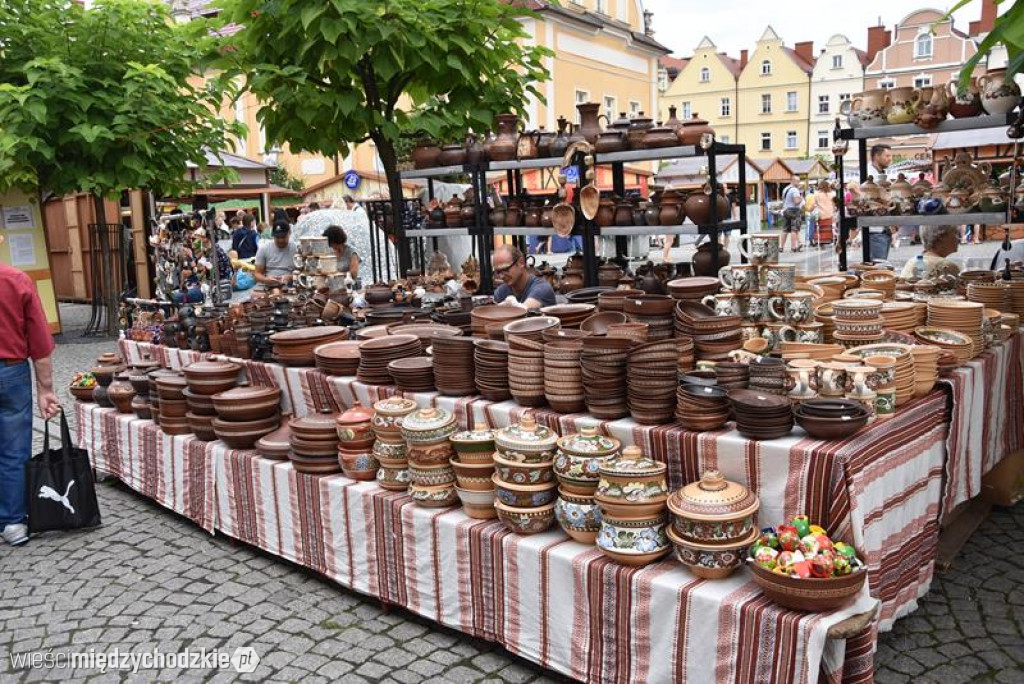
(805, 50)
(743, 58)
(878, 40)
(988, 18)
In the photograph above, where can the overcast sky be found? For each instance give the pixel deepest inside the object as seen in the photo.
(736, 24)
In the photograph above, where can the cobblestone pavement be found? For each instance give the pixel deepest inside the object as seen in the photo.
(150, 579)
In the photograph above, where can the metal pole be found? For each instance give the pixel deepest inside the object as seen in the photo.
(865, 232)
(619, 189)
(713, 179)
(844, 229)
(741, 195)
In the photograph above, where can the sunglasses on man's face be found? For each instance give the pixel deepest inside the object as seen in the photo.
(504, 269)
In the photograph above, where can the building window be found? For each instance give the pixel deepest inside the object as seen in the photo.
(790, 140)
(823, 104)
(843, 97)
(726, 107)
(705, 74)
(725, 140)
(610, 105)
(791, 101)
(923, 46)
(687, 111)
(766, 103)
(766, 68)
(599, 6)
(766, 142)
(837, 61)
(582, 97)
(886, 83)
(662, 79)
(823, 139)
(634, 108)
(922, 81)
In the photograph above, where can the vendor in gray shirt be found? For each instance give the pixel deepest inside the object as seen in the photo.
(275, 260)
(516, 285)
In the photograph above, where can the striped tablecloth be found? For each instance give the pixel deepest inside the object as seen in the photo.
(545, 597)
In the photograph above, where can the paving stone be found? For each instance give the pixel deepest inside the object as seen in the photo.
(373, 670)
(461, 675)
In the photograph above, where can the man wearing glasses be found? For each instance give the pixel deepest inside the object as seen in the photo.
(516, 285)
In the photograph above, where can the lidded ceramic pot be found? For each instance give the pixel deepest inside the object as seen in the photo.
(474, 446)
(120, 393)
(211, 377)
(428, 426)
(579, 458)
(713, 510)
(526, 441)
(388, 416)
(355, 427)
(632, 485)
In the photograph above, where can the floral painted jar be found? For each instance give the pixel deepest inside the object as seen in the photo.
(428, 427)
(391, 454)
(441, 496)
(713, 510)
(579, 458)
(634, 541)
(388, 415)
(355, 427)
(474, 446)
(431, 476)
(393, 478)
(358, 464)
(632, 485)
(526, 441)
(518, 472)
(579, 515)
(526, 520)
(525, 495)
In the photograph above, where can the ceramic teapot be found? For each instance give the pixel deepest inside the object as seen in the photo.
(638, 131)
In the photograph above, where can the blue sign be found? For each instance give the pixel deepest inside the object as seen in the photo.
(351, 180)
(572, 174)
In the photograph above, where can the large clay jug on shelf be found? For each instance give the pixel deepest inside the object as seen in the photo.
(704, 260)
(560, 142)
(698, 206)
(506, 144)
(968, 103)
(998, 96)
(590, 121)
(425, 154)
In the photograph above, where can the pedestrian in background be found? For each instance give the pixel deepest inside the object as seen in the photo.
(245, 239)
(24, 336)
(792, 214)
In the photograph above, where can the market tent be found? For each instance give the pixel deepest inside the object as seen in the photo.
(808, 169)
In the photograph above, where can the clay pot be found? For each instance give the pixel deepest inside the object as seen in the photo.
(476, 153)
(560, 142)
(623, 214)
(120, 394)
(506, 144)
(355, 428)
(425, 154)
(660, 136)
(572, 279)
(638, 131)
(690, 132)
(698, 207)
(579, 458)
(713, 510)
(590, 121)
(967, 104)
(704, 260)
(605, 212)
(610, 141)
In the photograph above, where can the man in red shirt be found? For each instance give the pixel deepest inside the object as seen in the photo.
(24, 335)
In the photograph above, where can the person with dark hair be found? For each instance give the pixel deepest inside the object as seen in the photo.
(314, 206)
(517, 286)
(348, 259)
(275, 260)
(245, 240)
(881, 236)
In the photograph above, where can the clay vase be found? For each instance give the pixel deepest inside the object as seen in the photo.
(997, 95)
(572, 279)
(605, 212)
(560, 142)
(468, 214)
(623, 214)
(435, 218)
(453, 214)
(475, 151)
(704, 260)
(425, 154)
(590, 121)
(544, 142)
(608, 275)
(120, 393)
(698, 207)
(968, 104)
(452, 155)
(497, 216)
(506, 144)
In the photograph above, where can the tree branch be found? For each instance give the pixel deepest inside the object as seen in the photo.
(366, 74)
(395, 89)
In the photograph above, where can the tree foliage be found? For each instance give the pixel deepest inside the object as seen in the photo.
(1007, 31)
(103, 99)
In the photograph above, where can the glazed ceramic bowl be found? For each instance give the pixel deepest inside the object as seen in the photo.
(478, 504)
(201, 426)
(82, 393)
(579, 457)
(474, 446)
(808, 594)
(713, 510)
(391, 453)
(835, 427)
(247, 403)
(358, 464)
(524, 496)
(515, 472)
(526, 442)
(433, 476)
(632, 485)
(393, 478)
(633, 541)
(428, 426)
(474, 476)
(200, 404)
(243, 435)
(431, 455)
(530, 520)
(173, 408)
(434, 497)
(711, 561)
(857, 309)
(210, 377)
(579, 515)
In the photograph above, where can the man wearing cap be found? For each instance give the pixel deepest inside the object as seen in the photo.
(275, 260)
(24, 336)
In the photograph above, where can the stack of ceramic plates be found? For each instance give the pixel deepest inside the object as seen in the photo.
(454, 374)
(805, 350)
(961, 345)
(826, 315)
(1016, 303)
(372, 332)
(655, 311)
(965, 317)
(926, 367)
(857, 321)
(295, 347)
(701, 408)
(526, 369)
(425, 331)
(903, 316)
(603, 362)
(170, 403)
(651, 378)
(904, 367)
(948, 361)
(634, 331)
(244, 414)
(612, 300)
(571, 315)
(413, 374)
(493, 313)
(694, 289)
(761, 415)
(713, 336)
(338, 358)
(587, 295)
(977, 276)
(532, 328)
(313, 442)
(687, 354)
(883, 281)
(490, 359)
(732, 375)
(376, 354)
(563, 376)
(597, 324)
(992, 295)
(276, 444)
(564, 334)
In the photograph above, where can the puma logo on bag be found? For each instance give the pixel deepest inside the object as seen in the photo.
(46, 492)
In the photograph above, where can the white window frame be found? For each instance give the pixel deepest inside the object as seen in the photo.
(614, 106)
(766, 67)
(886, 83)
(922, 81)
(705, 75)
(766, 137)
(843, 97)
(726, 140)
(837, 61)
(824, 100)
(924, 39)
(578, 100)
(599, 6)
(824, 137)
(796, 140)
(792, 101)
(634, 108)
(725, 107)
(685, 110)
(766, 103)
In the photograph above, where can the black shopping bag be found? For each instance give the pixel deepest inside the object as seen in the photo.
(59, 487)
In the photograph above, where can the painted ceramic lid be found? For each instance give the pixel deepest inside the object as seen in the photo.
(526, 435)
(632, 462)
(479, 434)
(712, 497)
(426, 420)
(588, 443)
(357, 414)
(395, 406)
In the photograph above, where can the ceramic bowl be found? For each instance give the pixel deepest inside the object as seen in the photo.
(711, 561)
(578, 515)
(808, 594)
(358, 464)
(428, 426)
(478, 504)
(202, 427)
(634, 541)
(243, 435)
(839, 427)
(474, 446)
(632, 484)
(857, 309)
(523, 473)
(713, 510)
(474, 476)
(434, 497)
(388, 416)
(82, 393)
(531, 520)
(247, 403)
(426, 456)
(393, 478)
(579, 458)
(526, 442)
(524, 496)
(434, 476)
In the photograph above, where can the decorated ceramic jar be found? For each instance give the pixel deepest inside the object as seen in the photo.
(526, 520)
(526, 442)
(391, 454)
(474, 476)
(579, 458)
(434, 497)
(524, 495)
(394, 478)
(474, 446)
(579, 515)
(632, 484)
(634, 541)
(358, 464)
(711, 561)
(518, 472)
(431, 476)
(429, 426)
(713, 510)
(388, 416)
(355, 427)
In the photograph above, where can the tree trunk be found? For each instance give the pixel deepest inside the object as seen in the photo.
(389, 159)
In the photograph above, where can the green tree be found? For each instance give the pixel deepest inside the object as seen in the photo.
(104, 99)
(1008, 31)
(280, 176)
(335, 73)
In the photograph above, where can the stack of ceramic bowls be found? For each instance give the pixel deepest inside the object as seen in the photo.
(490, 361)
(170, 389)
(578, 469)
(355, 443)
(431, 477)
(631, 494)
(276, 444)
(926, 367)
(713, 336)
(564, 334)
(993, 295)
(597, 324)
(454, 372)
(712, 525)
(524, 477)
(563, 376)
(826, 315)
(376, 354)
(687, 354)
(732, 375)
(761, 415)
(693, 289)
(389, 447)
(473, 463)
(413, 374)
(526, 370)
(206, 378)
(651, 379)
(338, 358)
(857, 322)
(702, 408)
(426, 332)
(769, 374)
(295, 347)
(481, 316)
(965, 317)
(611, 300)
(1016, 301)
(313, 442)
(633, 331)
(570, 315)
(655, 311)
(904, 367)
(154, 392)
(904, 316)
(603, 363)
(831, 417)
(139, 379)
(883, 281)
(961, 345)
(532, 328)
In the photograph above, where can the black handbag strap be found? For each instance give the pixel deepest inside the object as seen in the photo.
(65, 438)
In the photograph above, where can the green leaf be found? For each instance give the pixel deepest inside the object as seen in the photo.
(310, 13)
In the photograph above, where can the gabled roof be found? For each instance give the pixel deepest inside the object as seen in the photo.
(229, 160)
(769, 34)
(808, 67)
(731, 63)
(673, 65)
(592, 19)
(863, 57)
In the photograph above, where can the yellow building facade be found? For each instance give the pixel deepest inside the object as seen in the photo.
(707, 86)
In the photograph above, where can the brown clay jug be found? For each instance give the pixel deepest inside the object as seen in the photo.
(704, 260)
(506, 144)
(590, 121)
(560, 142)
(605, 212)
(425, 154)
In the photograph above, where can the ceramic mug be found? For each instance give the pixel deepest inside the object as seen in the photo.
(757, 307)
(885, 403)
(727, 304)
(885, 376)
(810, 333)
(764, 247)
(847, 360)
(741, 278)
(750, 332)
(831, 380)
(857, 378)
(794, 307)
(778, 278)
(902, 103)
(866, 109)
(777, 333)
(802, 372)
(867, 400)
